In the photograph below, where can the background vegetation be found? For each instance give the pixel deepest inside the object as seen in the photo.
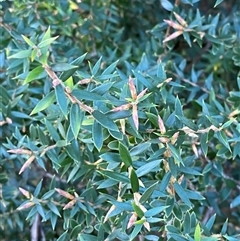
(120, 120)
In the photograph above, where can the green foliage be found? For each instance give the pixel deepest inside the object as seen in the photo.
(120, 120)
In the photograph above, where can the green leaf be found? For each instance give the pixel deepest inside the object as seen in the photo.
(124, 154)
(148, 167)
(134, 181)
(28, 41)
(34, 74)
(136, 231)
(218, 2)
(47, 42)
(38, 189)
(21, 54)
(197, 233)
(167, 5)
(66, 74)
(115, 176)
(53, 208)
(41, 211)
(210, 222)
(235, 202)
(224, 227)
(87, 95)
(110, 68)
(182, 194)
(96, 67)
(140, 148)
(61, 99)
(223, 139)
(104, 120)
(175, 153)
(204, 143)
(76, 118)
(187, 122)
(154, 211)
(44, 103)
(97, 135)
(63, 236)
(138, 210)
(60, 67)
(148, 193)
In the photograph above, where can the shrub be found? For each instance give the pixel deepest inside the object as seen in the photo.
(120, 120)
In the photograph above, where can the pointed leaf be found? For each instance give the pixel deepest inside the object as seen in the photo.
(21, 54)
(182, 194)
(61, 99)
(76, 118)
(97, 135)
(46, 42)
(124, 154)
(44, 103)
(134, 181)
(104, 120)
(34, 74)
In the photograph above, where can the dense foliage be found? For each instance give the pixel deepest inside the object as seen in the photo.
(120, 120)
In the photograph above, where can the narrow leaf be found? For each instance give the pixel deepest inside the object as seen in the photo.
(21, 54)
(134, 180)
(47, 42)
(218, 2)
(61, 99)
(182, 194)
(76, 118)
(124, 154)
(197, 233)
(148, 193)
(97, 135)
(44, 103)
(104, 120)
(34, 74)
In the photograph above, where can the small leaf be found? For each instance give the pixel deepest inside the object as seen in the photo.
(28, 41)
(34, 74)
(134, 180)
(210, 222)
(181, 193)
(46, 42)
(154, 211)
(97, 135)
(148, 167)
(61, 99)
(63, 67)
(96, 67)
(218, 2)
(138, 210)
(235, 202)
(44, 103)
(53, 208)
(21, 54)
(63, 236)
(124, 154)
(148, 193)
(104, 120)
(66, 74)
(136, 231)
(115, 176)
(110, 68)
(38, 189)
(76, 118)
(167, 5)
(197, 233)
